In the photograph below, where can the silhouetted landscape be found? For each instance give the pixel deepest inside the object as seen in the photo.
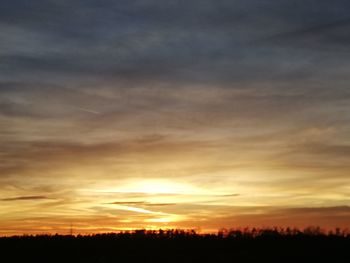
(240, 245)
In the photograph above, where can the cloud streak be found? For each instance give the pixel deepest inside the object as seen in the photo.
(25, 198)
(143, 203)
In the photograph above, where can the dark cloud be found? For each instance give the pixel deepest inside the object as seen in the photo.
(327, 217)
(197, 41)
(230, 195)
(142, 203)
(331, 37)
(49, 154)
(128, 203)
(25, 198)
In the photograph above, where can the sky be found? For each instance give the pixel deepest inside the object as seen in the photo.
(200, 114)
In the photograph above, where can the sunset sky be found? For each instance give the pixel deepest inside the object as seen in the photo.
(203, 114)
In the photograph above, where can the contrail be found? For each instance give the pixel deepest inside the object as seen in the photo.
(88, 110)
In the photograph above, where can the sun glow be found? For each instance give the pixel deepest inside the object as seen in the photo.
(154, 187)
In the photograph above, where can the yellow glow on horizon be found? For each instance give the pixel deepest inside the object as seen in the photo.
(167, 218)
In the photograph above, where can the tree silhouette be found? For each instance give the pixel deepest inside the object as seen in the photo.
(175, 245)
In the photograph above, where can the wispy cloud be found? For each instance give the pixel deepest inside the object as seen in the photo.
(88, 110)
(142, 203)
(25, 198)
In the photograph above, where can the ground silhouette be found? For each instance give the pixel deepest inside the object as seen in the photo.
(239, 245)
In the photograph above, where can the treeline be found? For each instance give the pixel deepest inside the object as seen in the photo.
(236, 245)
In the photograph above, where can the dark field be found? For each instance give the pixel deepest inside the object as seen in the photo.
(270, 245)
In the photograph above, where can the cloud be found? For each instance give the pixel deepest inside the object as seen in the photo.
(201, 40)
(247, 97)
(326, 37)
(325, 217)
(25, 198)
(230, 195)
(143, 203)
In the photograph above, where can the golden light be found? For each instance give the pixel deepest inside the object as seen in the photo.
(153, 187)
